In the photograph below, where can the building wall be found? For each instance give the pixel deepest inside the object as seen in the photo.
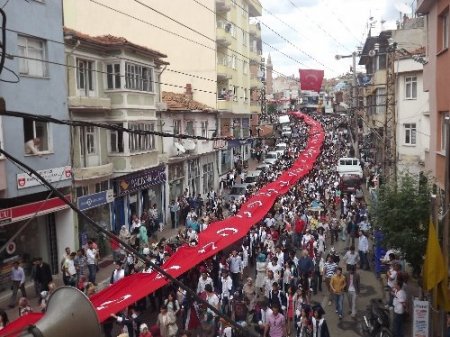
(46, 96)
(196, 60)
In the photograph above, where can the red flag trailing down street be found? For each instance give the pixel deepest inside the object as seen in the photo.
(311, 79)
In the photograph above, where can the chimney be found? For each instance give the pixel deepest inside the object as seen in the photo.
(188, 91)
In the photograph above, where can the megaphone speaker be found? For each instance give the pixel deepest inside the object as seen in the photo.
(70, 314)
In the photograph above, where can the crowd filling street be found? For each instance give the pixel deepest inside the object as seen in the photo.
(301, 272)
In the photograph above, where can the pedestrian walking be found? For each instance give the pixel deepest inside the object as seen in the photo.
(17, 282)
(353, 288)
(337, 285)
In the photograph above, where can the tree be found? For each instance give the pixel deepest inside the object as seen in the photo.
(403, 212)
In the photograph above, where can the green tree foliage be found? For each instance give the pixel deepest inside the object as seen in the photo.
(271, 108)
(403, 212)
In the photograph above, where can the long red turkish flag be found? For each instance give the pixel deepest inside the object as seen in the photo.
(311, 79)
(215, 238)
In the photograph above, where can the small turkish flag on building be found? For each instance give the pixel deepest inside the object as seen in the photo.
(311, 79)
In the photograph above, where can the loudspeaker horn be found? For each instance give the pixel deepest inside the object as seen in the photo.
(70, 313)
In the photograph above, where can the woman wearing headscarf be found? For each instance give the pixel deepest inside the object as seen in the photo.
(261, 266)
(249, 292)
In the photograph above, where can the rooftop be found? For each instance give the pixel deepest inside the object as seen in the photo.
(182, 102)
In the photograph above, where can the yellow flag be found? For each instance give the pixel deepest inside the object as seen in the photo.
(433, 267)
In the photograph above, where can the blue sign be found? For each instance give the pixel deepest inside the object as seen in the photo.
(94, 200)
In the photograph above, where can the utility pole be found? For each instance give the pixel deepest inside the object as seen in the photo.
(355, 104)
(390, 123)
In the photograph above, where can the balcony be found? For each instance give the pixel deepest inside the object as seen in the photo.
(88, 102)
(255, 55)
(223, 38)
(254, 8)
(223, 6)
(255, 30)
(92, 172)
(224, 104)
(224, 71)
(255, 83)
(255, 107)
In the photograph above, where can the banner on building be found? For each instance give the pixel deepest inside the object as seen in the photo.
(311, 79)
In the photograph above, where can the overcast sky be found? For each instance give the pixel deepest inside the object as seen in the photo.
(322, 29)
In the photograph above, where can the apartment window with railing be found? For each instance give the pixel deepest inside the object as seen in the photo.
(141, 142)
(32, 56)
(410, 133)
(138, 77)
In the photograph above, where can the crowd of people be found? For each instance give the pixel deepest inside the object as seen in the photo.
(266, 281)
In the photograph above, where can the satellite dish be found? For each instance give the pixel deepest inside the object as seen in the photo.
(189, 144)
(372, 53)
(180, 148)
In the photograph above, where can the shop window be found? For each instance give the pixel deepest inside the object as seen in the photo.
(116, 139)
(208, 177)
(113, 76)
(37, 130)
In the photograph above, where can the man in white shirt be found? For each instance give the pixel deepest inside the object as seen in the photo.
(203, 281)
(32, 146)
(363, 248)
(18, 282)
(91, 257)
(117, 274)
(400, 303)
(351, 258)
(212, 299)
(227, 287)
(236, 268)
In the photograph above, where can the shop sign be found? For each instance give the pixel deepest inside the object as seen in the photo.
(5, 216)
(142, 180)
(94, 200)
(421, 316)
(38, 208)
(53, 175)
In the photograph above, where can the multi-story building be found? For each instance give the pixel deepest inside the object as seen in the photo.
(116, 174)
(238, 45)
(192, 163)
(437, 81)
(33, 222)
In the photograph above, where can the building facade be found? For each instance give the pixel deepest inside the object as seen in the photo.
(239, 46)
(33, 222)
(116, 174)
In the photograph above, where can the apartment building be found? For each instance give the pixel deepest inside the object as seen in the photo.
(436, 82)
(116, 174)
(33, 222)
(239, 49)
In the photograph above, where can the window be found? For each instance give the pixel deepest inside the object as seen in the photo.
(176, 126)
(190, 128)
(34, 129)
(34, 56)
(245, 94)
(235, 93)
(113, 76)
(410, 133)
(208, 177)
(411, 87)
(85, 76)
(443, 30)
(116, 140)
(380, 101)
(204, 128)
(138, 77)
(82, 190)
(233, 62)
(244, 38)
(245, 67)
(102, 186)
(141, 142)
(444, 130)
(88, 140)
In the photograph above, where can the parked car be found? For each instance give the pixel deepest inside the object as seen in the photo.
(236, 192)
(271, 157)
(251, 178)
(349, 166)
(349, 183)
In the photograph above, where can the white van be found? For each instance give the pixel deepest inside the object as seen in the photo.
(280, 147)
(349, 166)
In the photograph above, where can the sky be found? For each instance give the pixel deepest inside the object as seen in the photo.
(312, 32)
